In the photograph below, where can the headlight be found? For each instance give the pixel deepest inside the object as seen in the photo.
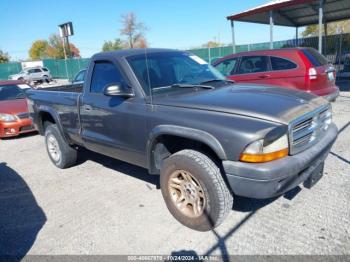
(327, 118)
(7, 118)
(256, 152)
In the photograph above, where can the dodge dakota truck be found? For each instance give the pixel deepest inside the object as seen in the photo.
(208, 138)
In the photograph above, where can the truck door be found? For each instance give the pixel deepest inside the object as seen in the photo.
(112, 125)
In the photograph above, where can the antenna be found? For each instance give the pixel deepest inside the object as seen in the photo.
(148, 77)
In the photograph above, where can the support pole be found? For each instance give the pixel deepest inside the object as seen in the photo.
(325, 38)
(209, 55)
(68, 48)
(320, 21)
(271, 29)
(64, 48)
(233, 37)
(297, 36)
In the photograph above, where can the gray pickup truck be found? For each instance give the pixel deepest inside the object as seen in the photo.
(209, 138)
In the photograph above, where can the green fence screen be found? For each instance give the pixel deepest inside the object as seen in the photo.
(334, 45)
(67, 69)
(9, 69)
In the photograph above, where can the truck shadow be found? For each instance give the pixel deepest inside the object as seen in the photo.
(21, 218)
(119, 166)
(241, 204)
(220, 244)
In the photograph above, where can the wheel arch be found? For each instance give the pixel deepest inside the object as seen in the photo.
(49, 115)
(184, 138)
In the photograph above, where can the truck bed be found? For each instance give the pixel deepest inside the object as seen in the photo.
(78, 88)
(63, 100)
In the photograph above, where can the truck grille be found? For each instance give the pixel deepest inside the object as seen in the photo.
(308, 129)
(23, 115)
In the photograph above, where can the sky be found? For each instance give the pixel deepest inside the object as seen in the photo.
(179, 24)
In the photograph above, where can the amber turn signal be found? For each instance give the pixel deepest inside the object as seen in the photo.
(260, 158)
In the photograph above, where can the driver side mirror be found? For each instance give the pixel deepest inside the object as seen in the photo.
(117, 90)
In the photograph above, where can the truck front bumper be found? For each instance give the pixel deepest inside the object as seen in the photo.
(274, 178)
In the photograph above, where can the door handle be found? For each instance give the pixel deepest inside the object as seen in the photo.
(264, 76)
(87, 108)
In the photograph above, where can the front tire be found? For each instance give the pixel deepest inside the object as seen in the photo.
(60, 152)
(194, 190)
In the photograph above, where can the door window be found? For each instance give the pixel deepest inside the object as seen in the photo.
(315, 57)
(278, 63)
(105, 73)
(253, 64)
(80, 77)
(227, 67)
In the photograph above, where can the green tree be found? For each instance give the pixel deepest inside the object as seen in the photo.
(39, 50)
(4, 57)
(332, 28)
(117, 44)
(55, 48)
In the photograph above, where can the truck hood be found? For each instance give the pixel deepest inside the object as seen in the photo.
(271, 103)
(13, 107)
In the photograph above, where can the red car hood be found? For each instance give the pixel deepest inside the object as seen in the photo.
(13, 106)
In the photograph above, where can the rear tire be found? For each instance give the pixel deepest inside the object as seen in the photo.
(194, 190)
(46, 79)
(60, 152)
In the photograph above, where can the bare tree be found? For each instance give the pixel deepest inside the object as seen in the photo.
(133, 30)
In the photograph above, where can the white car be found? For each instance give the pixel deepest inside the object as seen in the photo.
(33, 74)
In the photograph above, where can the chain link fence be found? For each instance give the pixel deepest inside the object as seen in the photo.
(335, 47)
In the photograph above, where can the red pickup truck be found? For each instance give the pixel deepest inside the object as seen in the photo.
(299, 68)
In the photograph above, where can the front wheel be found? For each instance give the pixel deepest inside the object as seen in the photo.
(60, 152)
(194, 190)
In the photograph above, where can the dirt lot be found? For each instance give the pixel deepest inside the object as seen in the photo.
(103, 206)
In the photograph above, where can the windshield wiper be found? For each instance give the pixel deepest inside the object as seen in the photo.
(218, 80)
(192, 86)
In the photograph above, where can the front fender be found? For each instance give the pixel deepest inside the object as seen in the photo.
(185, 132)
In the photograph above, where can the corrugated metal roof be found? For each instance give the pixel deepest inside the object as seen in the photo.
(295, 12)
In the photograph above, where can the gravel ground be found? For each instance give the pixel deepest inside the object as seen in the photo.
(104, 206)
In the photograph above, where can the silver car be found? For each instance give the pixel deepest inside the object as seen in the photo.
(33, 74)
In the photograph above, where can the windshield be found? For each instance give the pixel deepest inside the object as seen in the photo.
(11, 92)
(162, 71)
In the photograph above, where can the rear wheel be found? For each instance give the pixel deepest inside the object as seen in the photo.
(194, 190)
(60, 152)
(46, 79)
